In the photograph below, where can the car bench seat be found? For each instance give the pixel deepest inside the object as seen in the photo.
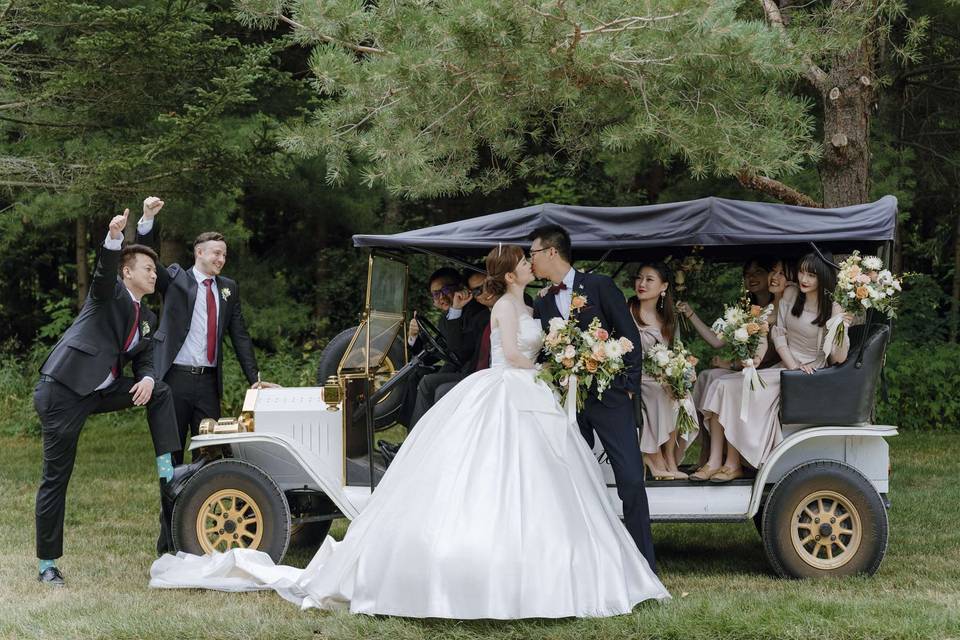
(842, 394)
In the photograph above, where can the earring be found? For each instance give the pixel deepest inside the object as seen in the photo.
(660, 302)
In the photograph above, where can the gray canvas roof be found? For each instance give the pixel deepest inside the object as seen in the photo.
(710, 222)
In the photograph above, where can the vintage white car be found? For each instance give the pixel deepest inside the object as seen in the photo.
(297, 458)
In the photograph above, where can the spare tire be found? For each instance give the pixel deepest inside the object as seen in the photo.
(386, 412)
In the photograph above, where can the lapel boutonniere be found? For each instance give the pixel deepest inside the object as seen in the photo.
(144, 328)
(578, 302)
(225, 293)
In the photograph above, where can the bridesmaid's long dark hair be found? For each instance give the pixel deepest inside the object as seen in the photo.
(666, 312)
(826, 283)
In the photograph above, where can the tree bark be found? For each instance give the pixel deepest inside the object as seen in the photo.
(83, 270)
(955, 298)
(847, 99)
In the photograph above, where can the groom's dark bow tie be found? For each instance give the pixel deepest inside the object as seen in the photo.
(557, 288)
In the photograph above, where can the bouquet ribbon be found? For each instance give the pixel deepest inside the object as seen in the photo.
(834, 334)
(750, 378)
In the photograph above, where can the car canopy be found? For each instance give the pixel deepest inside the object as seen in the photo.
(722, 227)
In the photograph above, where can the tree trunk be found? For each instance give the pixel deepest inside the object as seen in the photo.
(847, 97)
(955, 298)
(171, 250)
(83, 270)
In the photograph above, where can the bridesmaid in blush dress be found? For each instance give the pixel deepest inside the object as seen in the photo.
(652, 311)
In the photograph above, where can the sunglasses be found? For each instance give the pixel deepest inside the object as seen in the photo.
(477, 291)
(445, 291)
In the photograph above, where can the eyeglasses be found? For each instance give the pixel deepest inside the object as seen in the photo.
(477, 291)
(533, 251)
(447, 291)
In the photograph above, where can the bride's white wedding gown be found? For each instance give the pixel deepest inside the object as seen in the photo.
(494, 508)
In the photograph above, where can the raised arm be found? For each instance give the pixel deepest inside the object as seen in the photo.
(505, 317)
(705, 332)
(104, 281)
(146, 234)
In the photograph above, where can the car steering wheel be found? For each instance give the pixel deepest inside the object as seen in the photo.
(436, 343)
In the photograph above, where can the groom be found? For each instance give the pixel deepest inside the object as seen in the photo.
(612, 416)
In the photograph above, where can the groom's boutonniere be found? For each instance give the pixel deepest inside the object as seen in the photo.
(144, 328)
(578, 302)
(225, 293)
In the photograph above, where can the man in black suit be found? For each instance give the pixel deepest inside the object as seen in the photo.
(462, 326)
(200, 307)
(610, 416)
(84, 374)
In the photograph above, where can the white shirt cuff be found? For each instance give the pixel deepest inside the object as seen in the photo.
(144, 226)
(454, 314)
(111, 244)
(150, 378)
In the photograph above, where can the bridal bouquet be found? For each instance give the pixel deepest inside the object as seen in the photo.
(741, 328)
(675, 369)
(576, 358)
(864, 284)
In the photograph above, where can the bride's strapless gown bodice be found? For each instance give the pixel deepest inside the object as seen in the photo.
(529, 340)
(494, 508)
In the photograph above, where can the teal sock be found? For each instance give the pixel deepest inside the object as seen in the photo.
(165, 467)
(46, 564)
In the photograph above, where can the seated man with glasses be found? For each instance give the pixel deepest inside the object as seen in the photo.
(462, 323)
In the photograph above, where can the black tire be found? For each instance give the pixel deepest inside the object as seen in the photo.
(309, 535)
(248, 493)
(386, 412)
(847, 502)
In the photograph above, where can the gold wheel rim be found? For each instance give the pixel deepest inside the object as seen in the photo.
(826, 530)
(229, 519)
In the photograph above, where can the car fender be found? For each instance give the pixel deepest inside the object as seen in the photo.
(306, 461)
(780, 464)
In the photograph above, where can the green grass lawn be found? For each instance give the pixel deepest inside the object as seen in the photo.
(718, 575)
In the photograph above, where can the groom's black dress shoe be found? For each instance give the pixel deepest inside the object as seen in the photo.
(51, 576)
(169, 490)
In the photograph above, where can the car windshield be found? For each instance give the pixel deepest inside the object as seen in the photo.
(383, 315)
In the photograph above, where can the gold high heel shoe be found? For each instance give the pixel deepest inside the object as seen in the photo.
(656, 475)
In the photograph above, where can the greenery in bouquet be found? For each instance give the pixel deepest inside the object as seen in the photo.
(741, 328)
(863, 284)
(674, 369)
(588, 356)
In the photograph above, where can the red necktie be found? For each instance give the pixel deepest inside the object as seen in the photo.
(557, 288)
(211, 322)
(126, 344)
(483, 355)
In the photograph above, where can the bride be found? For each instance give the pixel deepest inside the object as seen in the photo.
(494, 507)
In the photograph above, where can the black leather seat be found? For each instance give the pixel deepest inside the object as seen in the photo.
(839, 395)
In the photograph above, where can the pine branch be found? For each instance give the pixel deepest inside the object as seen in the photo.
(817, 76)
(777, 189)
(325, 38)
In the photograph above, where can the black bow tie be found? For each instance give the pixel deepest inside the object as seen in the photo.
(557, 288)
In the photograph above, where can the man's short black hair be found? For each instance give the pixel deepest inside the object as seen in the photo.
(553, 235)
(447, 275)
(128, 255)
(471, 273)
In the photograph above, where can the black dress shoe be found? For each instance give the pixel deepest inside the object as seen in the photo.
(51, 576)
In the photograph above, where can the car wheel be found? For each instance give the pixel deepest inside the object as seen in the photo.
(388, 409)
(231, 504)
(309, 535)
(824, 519)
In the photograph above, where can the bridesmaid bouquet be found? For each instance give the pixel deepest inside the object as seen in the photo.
(675, 369)
(741, 328)
(576, 358)
(864, 284)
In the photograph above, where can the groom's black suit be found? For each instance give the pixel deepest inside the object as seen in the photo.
(612, 416)
(67, 392)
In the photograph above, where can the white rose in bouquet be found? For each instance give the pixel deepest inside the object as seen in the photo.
(556, 324)
(741, 335)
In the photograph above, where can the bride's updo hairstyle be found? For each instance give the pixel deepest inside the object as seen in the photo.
(500, 261)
